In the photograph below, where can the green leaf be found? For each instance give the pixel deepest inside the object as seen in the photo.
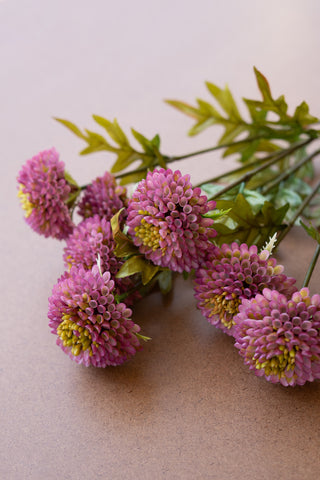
(155, 141)
(133, 177)
(216, 214)
(302, 116)
(312, 231)
(70, 179)
(184, 107)
(114, 130)
(124, 246)
(248, 225)
(144, 142)
(278, 106)
(138, 264)
(97, 140)
(71, 126)
(165, 281)
(124, 160)
(226, 101)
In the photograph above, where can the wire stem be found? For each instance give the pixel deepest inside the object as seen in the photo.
(303, 205)
(253, 172)
(311, 266)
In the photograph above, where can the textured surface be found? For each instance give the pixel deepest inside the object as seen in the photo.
(186, 407)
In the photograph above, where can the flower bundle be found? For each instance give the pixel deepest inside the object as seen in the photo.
(222, 233)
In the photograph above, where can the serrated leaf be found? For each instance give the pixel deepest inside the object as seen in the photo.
(207, 110)
(278, 106)
(200, 126)
(225, 100)
(96, 140)
(302, 116)
(231, 133)
(144, 142)
(114, 130)
(72, 127)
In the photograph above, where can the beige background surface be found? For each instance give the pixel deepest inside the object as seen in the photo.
(186, 407)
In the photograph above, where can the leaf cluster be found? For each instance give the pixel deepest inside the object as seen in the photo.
(251, 222)
(269, 119)
(117, 143)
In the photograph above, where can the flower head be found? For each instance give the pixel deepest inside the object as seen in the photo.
(231, 274)
(43, 192)
(91, 240)
(91, 328)
(102, 197)
(279, 338)
(165, 220)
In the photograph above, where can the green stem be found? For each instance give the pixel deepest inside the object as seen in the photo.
(251, 173)
(311, 266)
(303, 205)
(212, 149)
(188, 155)
(276, 181)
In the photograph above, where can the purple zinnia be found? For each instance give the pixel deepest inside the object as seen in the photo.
(279, 338)
(102, 197)
(44, 192)
(92, 329)
(165, 220)
(231, 274)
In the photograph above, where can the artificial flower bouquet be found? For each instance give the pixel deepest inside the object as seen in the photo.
(118, 247)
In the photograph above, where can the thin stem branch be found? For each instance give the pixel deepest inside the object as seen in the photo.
(212, 149)
(303, 205)
(311, 266)
(276, 181)
(251, 173)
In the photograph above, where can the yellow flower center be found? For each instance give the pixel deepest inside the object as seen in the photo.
(149, 234)
(225, 308)
(77, 343)
(278, 365)
(27, 206)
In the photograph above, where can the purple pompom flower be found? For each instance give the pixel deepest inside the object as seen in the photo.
(165, 220)
(91, 240)
(102, 197)
(91, 328)
(279, 338)
(44, 192)
(231, 274)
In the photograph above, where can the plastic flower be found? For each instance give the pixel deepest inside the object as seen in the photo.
(102, 197)
(233, 273)
(91, 240)
(280, 338)
(166, 223)
(91, 328)
(44, 192)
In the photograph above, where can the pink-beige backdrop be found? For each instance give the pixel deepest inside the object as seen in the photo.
(186, 407)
